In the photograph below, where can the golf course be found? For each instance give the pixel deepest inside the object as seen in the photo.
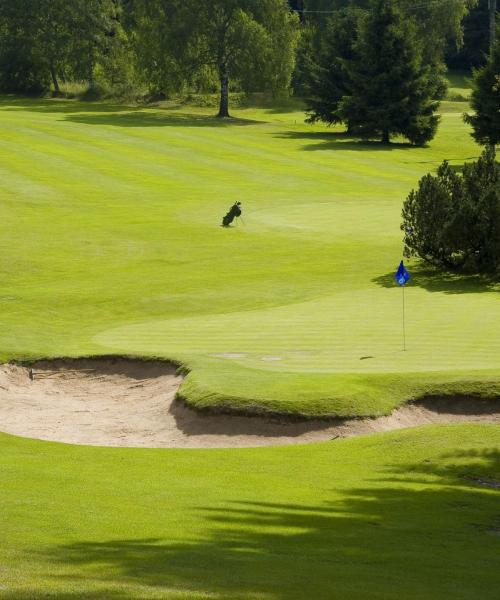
(111, 246)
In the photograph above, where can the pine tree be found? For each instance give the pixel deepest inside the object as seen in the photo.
(328, 80)
(485, 101)
(392, 91)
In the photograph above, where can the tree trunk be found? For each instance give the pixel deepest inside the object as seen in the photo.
(224, 93)
(53, 74)
(385, 137)
(91, 79)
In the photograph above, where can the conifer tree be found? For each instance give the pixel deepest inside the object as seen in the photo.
(485, 101)
(328, 78)
(391, 89)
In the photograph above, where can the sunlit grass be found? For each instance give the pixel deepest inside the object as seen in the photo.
(412, 514)
(111, 243)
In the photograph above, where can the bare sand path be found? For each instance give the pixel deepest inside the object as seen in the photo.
(130, 403)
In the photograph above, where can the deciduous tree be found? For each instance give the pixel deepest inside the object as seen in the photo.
(250, 41)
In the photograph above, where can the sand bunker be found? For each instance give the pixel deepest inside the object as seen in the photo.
(118, 402)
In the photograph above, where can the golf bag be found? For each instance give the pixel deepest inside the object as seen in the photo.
(234, 211)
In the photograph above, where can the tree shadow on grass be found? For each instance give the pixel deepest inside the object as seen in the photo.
(434, 280)
(101, 113)
(36, 594)
(401, 539)
(331, 140)
(48, 106)
(158, 118)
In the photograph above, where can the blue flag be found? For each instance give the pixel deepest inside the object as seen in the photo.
(402, 275)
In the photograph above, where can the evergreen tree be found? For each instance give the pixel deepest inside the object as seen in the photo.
(329, 81)
(391, 90)
(453, 220)
(485, 101)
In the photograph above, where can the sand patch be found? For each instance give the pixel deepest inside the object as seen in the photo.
(119, 402)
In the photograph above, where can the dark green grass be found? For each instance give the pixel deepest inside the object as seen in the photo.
(410, 515)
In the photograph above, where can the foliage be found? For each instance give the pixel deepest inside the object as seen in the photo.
(391, 89)
(328, 79)
(438, 24)
(474, 50)
(50, 40)
(485, 100)
(250, 42)
(22, 64)
(453, 220)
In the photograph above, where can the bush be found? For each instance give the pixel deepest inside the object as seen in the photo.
(453, 220)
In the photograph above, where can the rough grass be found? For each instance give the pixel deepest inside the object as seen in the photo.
(411, 514)
(110, 243)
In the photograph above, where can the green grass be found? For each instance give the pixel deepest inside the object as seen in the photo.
(459, 86)
(399, 515)
(110, 244)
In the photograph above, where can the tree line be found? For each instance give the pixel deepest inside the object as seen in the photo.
(377, 66)
(163, 45)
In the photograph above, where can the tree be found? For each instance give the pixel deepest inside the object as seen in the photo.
(250, 41)
(52, 34)
(98, 40)
(485, 101)
(453, 220)
(40, 40)
(391, 89)
(22, 64)
(438, 23)
(328, 79)
(474, 50)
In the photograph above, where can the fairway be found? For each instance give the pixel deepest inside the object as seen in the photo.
(410, 514)
(111, 244)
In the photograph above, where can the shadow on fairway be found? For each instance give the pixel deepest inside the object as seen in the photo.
(119, 115)
(158, 118)
(433, 280)
(102, 594)
(326, 140)
(60, 106)
(431, 541)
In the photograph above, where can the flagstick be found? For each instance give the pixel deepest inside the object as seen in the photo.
(404, 326)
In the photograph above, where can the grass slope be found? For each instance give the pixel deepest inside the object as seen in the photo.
(401, 515)
(110, 243)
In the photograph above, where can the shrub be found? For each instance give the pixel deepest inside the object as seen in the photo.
(453, 220)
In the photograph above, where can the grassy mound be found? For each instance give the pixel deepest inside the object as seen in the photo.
(111, 244)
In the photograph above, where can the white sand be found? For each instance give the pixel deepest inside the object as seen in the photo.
(118, 402)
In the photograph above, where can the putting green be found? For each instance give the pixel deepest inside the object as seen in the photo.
(111, 244)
